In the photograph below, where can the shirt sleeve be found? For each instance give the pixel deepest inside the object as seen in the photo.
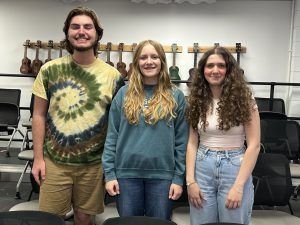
(109, 153)
(181, 137)
(38, 88)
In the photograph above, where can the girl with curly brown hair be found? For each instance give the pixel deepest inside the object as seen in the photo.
(222, 115)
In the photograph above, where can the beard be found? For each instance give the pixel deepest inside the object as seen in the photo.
(83, 48)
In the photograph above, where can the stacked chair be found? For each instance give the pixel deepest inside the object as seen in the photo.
(280, 135)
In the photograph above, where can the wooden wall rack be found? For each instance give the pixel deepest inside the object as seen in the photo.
(202, 49)
(103, 47)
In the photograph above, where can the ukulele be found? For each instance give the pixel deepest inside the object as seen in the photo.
(25, 67)
(121, 66)
(36, 63)
(49, 46)
(238, 49)
(61, 47)
(130, 65)
(174, 70)
(108, 49)
(193, 70)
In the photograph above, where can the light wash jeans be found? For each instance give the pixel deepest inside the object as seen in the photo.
(149, 197)
(215, 173)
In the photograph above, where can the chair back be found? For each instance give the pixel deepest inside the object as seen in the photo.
(137, 220)
(10, 95)
(30, 218)
(272, 180)
(272, 115)
(281, 136)
(293, 135)
(9, 117)
(9, 109)
(270, 104)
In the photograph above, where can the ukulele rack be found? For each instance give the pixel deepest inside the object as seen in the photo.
(33, 45)
(103, 47)
(231, 49)
(130, 47)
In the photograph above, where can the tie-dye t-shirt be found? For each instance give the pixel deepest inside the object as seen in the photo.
(79, 97)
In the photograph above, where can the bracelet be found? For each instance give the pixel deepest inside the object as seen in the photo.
(189, 184)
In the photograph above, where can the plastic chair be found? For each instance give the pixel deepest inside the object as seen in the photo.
(137, 220)
(30, 218)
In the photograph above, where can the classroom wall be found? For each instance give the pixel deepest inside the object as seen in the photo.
(266, 28)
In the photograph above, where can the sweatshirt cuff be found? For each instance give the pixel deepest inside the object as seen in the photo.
(108, 176)
(177, 180)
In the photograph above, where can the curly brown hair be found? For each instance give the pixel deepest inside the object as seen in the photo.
(82, 11)
(236, 101)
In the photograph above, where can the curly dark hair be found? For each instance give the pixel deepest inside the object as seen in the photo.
(236, 101)
(82, 11)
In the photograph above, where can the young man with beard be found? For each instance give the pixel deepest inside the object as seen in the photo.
(72, 97)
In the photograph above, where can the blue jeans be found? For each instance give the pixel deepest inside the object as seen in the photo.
(215, 174)
(149, 197)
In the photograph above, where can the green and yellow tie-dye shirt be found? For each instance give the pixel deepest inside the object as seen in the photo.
(79, 98)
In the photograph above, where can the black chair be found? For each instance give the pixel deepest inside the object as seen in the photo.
(137, 220)
(9, 122)
(30, 218)
(270, 104)
(272, 181)
(9, 114)
(281, 136)
(273, 187)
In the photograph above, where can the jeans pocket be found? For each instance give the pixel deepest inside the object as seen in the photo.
(200, 154)
(237, 160)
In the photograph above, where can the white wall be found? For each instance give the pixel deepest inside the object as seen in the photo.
(293, 98)
(263, 27)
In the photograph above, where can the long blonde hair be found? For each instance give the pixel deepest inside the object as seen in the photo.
(162, 105)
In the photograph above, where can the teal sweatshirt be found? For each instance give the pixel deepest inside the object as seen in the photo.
(145, 151)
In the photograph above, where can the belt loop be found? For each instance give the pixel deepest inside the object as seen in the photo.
(226, 153)
(206, 150)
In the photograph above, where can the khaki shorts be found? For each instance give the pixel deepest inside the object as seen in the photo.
(66, 186)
